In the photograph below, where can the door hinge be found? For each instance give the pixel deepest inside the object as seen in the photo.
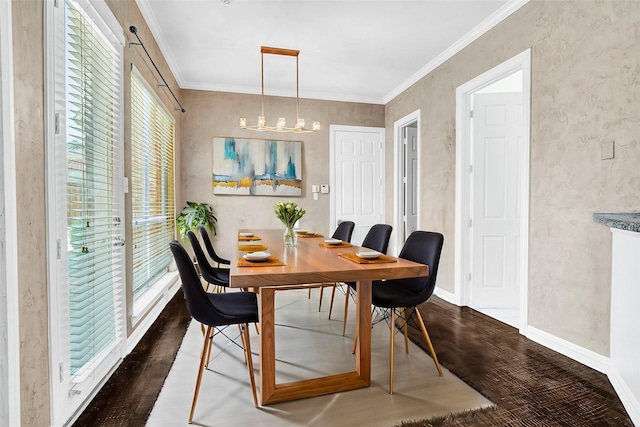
(470, 223)
(55, 3)
(58, 248)
(61, 372)
(469, 276)
(470, 168)
(57, 123)
(471, 113)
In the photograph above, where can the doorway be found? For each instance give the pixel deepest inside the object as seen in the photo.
(406, 183)
(357, 178)
(492, 191)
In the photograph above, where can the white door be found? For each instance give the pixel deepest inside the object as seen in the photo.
(357, 164)
(498, 132)
(410, 181)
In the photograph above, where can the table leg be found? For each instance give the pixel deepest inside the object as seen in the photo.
(270, 392)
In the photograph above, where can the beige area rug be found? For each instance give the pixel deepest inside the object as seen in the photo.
(308, 345)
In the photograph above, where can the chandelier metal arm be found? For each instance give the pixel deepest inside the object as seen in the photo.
(281, 125)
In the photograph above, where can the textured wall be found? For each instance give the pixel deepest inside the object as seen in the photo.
(211, 114)
(585, 62)
(28, 80)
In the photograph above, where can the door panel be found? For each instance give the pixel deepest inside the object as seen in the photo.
(358, 178)
(410, 177)
(496, 216)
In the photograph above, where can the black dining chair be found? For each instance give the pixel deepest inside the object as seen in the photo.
(377, 238)
(214, 311)
(209, 246)
(399, 295)
(212, 275)
(342, 232)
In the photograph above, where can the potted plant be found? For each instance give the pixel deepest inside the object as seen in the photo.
(193, 215)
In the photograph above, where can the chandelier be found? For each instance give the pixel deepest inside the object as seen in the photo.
(281, 124)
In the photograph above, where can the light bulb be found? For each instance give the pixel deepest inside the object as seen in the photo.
(262, 122)
(242, 121)
(281, 123)
(316, 126)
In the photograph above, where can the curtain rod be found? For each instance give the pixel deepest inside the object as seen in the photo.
(134, 31)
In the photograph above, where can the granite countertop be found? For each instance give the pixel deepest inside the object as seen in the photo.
(629, 221)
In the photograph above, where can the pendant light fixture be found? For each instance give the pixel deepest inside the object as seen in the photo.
(281, 124)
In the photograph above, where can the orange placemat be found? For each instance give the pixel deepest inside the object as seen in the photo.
(252, 248)
(247, 239)
(272, 261)
(305, 235)
(355, 258)
(340, 245)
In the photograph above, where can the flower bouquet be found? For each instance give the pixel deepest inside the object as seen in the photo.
(289, 213)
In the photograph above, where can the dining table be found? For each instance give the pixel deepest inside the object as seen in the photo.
(310, 261)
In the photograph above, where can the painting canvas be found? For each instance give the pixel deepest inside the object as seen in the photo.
(257, 167)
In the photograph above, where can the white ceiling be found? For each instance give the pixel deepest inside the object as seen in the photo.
(355, 50)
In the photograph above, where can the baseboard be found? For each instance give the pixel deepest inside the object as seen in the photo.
(580, 354)
(446, 295)
(628, 399)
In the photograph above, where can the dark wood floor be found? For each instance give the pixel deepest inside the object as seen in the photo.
(531, 385)
(128, 396)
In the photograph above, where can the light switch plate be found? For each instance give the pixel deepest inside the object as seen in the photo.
(315, 188)
(607, 150)
(324, 189)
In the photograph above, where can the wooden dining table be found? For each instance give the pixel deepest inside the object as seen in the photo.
(309, 262)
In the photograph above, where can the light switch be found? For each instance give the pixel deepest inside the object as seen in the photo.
(607, 150)
(315, 196)
(315, 188)
(324, 189)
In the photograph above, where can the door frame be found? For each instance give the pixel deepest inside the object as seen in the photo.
(398, 126)
(522, 62)
(9, 323)
(332, 173)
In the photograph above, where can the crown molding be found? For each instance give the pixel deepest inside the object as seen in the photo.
(498, 16)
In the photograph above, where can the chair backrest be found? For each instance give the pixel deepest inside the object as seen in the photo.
(209, 246)
(344, 231)
(424, 247)
(207, 270)
(198, 303)
(378, 238)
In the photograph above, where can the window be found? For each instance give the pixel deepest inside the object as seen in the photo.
(86, 196)
(152, 184)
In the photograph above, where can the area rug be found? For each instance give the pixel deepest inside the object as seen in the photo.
(530, 384)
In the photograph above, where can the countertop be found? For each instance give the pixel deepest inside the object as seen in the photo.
(629, 221)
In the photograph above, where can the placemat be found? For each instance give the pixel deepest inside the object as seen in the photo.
(272, 261)
(305, 235)
(340, 245)
(355, 258)
(252, 248)
(247, 239)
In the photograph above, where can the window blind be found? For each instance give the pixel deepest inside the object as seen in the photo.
(152, 185)
(92, 112)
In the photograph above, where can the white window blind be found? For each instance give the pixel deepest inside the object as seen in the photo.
(152, 185)
(92, 115)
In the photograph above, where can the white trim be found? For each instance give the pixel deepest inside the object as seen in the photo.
(498, 16)
(157, 299)
(522, 62)
(580, 354)
(398, 126)
(10, 234)
(445, 295)
(332, 141)
(628, 399)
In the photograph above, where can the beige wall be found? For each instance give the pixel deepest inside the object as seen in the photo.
(585, 62)
(211, 114)
(28, 51)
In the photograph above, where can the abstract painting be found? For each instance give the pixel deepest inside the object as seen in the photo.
(257, 167)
